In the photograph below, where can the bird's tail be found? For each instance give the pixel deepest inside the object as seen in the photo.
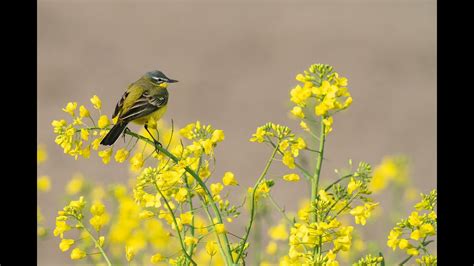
(113, 134)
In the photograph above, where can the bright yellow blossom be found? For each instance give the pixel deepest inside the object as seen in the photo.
(75, 185)
(186, 218)
(106, 155)
(136, 162)
(121, 155)
(83, 112)
(188, 240)
(43, 183)
(291, 177)
(42, 155)
(95, 100)
(129, 253)
(298, 112)
(70, 108)
(182, 195)
(156, 258)
(78, 254)
(103, 121)
(65, 244)
(220, 228)
(211, 248)
(229, 179)
(217, 136)
(278, 232)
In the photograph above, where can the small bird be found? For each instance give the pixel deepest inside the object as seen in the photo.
(144, 99)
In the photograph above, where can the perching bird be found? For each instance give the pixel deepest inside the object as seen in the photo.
(144, 99)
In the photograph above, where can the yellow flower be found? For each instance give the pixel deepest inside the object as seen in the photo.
(155, 259)
(61, 227)
(96, 102)
(75, 185)
(182, 195)
(216, 188)
(65, 244)
(304, 126)
(416, 235)
(145, 214)
(188, 240)
(298, 112)
(288, 160)
(78, 254)
(284, 145)
(347, 103)
(271, 248)
(291, 177)
(70, 108)
(136, 162)
(217, 136)
(299, 95)
(129, 253)
(393, 238)
(278, 232)
(229, 179)
(353, 185)
(414, 219)
(97, 221)
(84, 134)
(103, 121)
(42, 155)
(105, 155)
(328, 124)
(220, 228)
(325, 197)
(83, 112)
(43, 183)
(403, 244)
(259, 135)
(413, 252)
(121, 155)
(300, 78)
(186, 218)
(427, 229)
(211, 248)
(97, 208)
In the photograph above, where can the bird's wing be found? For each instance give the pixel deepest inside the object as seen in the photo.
(144, 105)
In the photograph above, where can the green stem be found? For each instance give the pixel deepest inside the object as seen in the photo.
(183, 247)
(280, 210)
(96, 243)
(337, 181)
(315, 179)
(191, 248)
(252, 208)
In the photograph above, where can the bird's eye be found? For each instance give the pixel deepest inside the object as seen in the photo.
(159, 80)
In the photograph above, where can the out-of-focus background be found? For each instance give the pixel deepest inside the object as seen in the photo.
(236, 63)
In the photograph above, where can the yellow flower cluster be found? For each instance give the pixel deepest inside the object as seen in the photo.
(392, 168)
(305, 237)
(322, 88)
(418, 226)
(369, 260)
(289, 145)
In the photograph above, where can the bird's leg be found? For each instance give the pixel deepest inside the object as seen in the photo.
(126, 130)
(157, 143)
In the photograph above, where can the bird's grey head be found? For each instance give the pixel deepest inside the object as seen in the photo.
(159, 77)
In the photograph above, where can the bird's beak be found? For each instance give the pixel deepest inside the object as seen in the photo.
(172, 81)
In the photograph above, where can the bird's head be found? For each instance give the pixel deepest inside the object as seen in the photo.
(159, 79)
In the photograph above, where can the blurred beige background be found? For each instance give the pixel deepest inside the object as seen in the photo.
(236, 64)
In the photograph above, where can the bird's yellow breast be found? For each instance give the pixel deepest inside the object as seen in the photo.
(155, 115)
